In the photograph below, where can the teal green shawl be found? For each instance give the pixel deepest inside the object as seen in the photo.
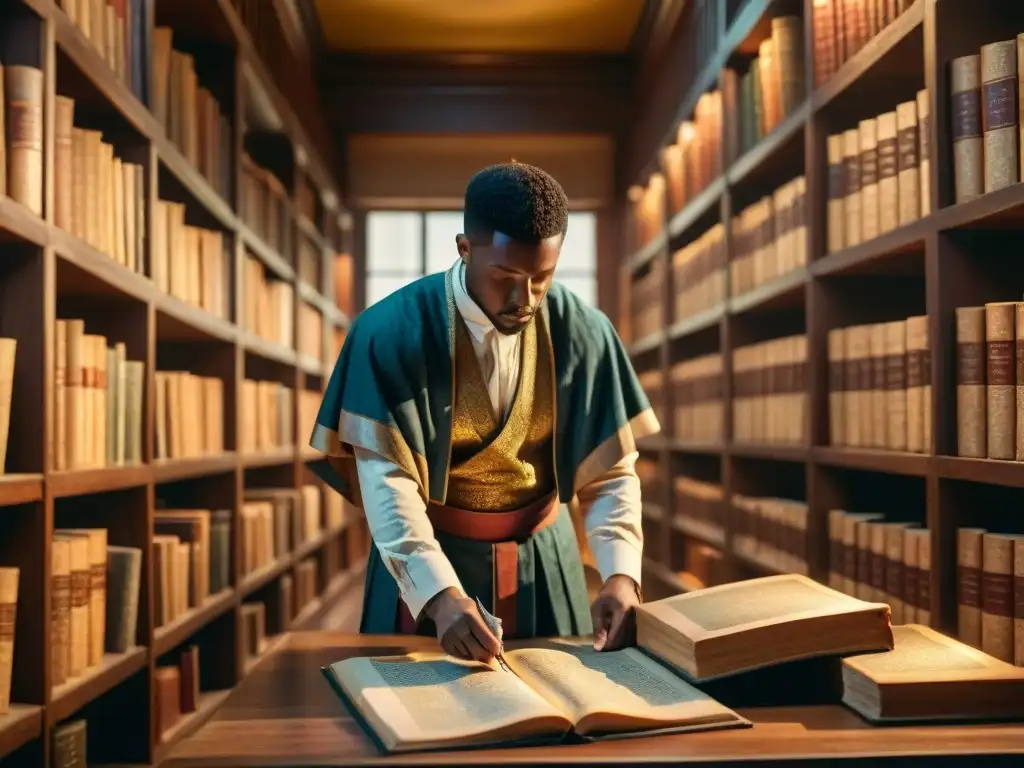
(392, 391)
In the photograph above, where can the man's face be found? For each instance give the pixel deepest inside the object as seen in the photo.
(509, 279)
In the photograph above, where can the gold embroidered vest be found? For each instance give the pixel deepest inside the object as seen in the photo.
(497, 467)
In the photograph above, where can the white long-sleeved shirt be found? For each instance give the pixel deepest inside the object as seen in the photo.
(397, 516)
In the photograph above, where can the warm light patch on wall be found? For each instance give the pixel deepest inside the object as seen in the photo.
(507, 26)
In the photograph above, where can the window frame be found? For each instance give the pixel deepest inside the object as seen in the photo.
(421, 270)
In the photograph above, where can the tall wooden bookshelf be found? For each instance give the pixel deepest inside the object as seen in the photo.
(954, 255)
(48, 273)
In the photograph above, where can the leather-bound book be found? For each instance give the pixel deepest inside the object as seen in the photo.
(836, 386)
(908, 162)
(733, 628)
(852, 198)
(188, 666)
(877, 422)
(911, 575)
(999, 114)
(23, 88)
(8, 356)
(1018, 320)
(924, 150)
(868, 141)
(836, 194)
(167, 682)
(856, 351)
(968, 150)
(826, 54)
(969, 543)
(60, 610)
(63, 197)
(888, 174)
(918, 385)
(997, 630)
(1000, 380)
(923, 614)
(929, 676)
(895, 585)
(896, 385)
(97, 542)
(78, 654)
(1018, 602)
(124, 571)
(70, 742)
(8, 620)
(970, 382)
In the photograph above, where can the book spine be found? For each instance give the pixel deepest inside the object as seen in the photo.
(997, 596)
(888, 174)
(878, 564)
(878, 416)
(917, 373)
(896, 385)
(924, 150)
(24, 123)
(909, 163)
(970, 382)
(852, 197)
(862, 586)
(924, 577)
(1018, 602)
(60, 607)
(1019, 383)
(836, 387)
(999, 114)
(852, 381)
(894, 571)
(1001, 369)
(968, 151)
(63, 199)
(911, 576)
(969, 560)
(835, 549)
(868, 140)
(8, 620)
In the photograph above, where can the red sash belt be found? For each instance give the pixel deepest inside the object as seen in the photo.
(504, 531)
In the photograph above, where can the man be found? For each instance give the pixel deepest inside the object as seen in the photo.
(465, 411)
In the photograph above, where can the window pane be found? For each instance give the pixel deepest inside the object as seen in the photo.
(394, 242)
(442, 227)
(579, 251)
(584, 287)
(379, 286)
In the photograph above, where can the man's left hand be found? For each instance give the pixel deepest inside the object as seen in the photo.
(614, 614)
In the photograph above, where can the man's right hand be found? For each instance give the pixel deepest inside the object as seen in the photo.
(461, 629)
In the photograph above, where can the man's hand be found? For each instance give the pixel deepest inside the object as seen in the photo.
(460, 628)
(614, 614)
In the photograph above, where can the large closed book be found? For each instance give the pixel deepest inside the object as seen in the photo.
(556, 691)
(928, 676)
(746, 625)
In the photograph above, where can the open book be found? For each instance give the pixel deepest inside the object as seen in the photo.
(557, 689)
(929, 676)
(724, 630)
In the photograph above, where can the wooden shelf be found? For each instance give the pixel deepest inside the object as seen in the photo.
(696, 208)
(52, 273)
(890, 462)
(170, 635)
(21, 724)
(114, 669)
(783, 291)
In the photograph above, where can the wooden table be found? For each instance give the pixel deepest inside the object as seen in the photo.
(285, 714)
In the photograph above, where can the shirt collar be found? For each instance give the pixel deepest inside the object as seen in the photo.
(479, 325)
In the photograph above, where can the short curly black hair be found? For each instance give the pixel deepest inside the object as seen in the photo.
(518, 200)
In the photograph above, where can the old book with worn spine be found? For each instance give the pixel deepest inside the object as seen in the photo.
(8, 620)
(924, 150)
(868, 139)
(997, 630)
(836, 194)
(888, 174)
(97, 539)
(895, 585)
(968, 150)
(1018, 602)
(968, 584)
(1000, 375)
(24, 94)
(923, 591)
(908, 162)
(1018, 322)
(746, 625)
(8, 355)
(896, 385)
(124, 571)
(852, 198)
(970, 382)
(929, 676)
(998, 63)
(70, 741)
(879, 415)
(836, 385)
(78, 647)
(919, 415)
(60, 610)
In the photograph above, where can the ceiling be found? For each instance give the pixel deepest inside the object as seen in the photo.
(479, 26)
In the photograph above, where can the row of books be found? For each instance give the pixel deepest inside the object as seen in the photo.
(311, 331)
(841, 28)
(698, 274)
(276, 521)
(191, 116)
(986, 130)
(688, 166)
(873, 559)
(879, 175)
(702, 565)
(695, 388)
(771, 532)
(254, 628)
(98, 395)
(990, 592)
(95, 600)
(266, 416)
(774, 85)
(189, 415)
(99, 196)
(880, 386)
(189, 262)
(116, 30)
(264, 206)
(769, 238)
(267, 304)
(769, 397)
(191, 560)
(176, 689)
(9, 586)
(989, 421)
(8, 354)
(646, 307)
(699, 509)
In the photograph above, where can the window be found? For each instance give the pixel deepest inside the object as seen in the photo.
(402, 246)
